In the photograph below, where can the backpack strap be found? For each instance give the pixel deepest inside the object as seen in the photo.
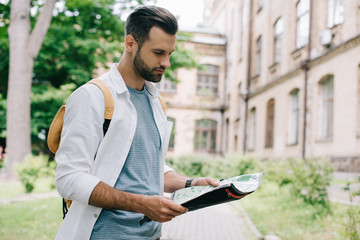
(162, 104)
(109, 102)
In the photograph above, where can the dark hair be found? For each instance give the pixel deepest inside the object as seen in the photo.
(143, 18)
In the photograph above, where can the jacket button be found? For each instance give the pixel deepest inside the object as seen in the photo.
(95, 215)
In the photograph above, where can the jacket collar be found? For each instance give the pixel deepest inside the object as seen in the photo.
(120, 86)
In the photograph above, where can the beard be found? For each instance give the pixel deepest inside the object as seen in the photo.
(145, 71)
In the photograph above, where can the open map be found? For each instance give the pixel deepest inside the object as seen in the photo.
(229, 189)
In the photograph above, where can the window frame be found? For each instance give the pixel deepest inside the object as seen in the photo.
(335, 13)
(278, 33)
(302, 22)
(258, 55)
(294, 117)
(210, 73)
(270, 123)
(205, 135)
(326, 86)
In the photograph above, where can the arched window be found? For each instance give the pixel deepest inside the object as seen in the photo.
(278, 32)
(270, 118)
(207, 80)
(326, 86)
(294, 117)
(205, 135)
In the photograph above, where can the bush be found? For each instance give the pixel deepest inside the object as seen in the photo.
(309, 180)
(216, 167)
(33, 168)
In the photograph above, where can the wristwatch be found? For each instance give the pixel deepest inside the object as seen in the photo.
(188, 182)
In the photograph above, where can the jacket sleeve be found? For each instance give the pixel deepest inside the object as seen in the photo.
(80, 138)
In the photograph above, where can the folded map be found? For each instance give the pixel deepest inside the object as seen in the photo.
(230, 189)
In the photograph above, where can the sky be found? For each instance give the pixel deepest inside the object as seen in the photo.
(189, 11)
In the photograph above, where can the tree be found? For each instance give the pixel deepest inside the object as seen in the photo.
(83, 36)
(24, 45)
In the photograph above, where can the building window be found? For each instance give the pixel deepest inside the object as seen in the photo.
(326, 109)
(335, 12)
(243, 27)
(260, 4)
(294, 117)
(166, 85)
(172, 135)
(205, 135)
(270, 116)
(252, 129)
(303, 23)
(258, 56)
(278, 32)
(207, 80)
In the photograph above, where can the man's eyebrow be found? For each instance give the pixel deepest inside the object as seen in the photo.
(161, 50)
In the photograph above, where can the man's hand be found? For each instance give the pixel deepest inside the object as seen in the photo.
(162, 209)
(205, 181)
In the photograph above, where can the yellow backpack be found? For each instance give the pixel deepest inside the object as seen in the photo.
(54, 135)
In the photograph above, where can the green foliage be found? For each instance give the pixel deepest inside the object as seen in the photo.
(181, 57)
(2, 117)
(308, 180)
(83, 36)
(33, 168)
(216, 167)
(4, 47)
(275, 210)
(352, 225)
(45, 102)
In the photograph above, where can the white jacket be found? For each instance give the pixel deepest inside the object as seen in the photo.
(77, 172)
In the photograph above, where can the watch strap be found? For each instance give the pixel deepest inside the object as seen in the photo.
(188, 182)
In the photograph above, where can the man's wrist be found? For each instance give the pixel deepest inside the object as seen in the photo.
(188, 182)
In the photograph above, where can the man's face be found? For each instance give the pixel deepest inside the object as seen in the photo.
(153, 57)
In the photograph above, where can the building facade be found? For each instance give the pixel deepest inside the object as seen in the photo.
(288, 82)
(195, 103)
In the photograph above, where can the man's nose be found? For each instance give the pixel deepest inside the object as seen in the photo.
(165, 62)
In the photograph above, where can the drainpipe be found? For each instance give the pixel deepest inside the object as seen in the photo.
(306, 68)
(248, 77)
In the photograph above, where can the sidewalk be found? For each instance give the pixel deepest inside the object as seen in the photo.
(224, 221)
(337, 193)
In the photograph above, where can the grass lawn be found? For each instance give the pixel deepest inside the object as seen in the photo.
(12, 189)
(275, 211)
(38, 219)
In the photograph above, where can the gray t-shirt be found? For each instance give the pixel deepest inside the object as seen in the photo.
(140, 174)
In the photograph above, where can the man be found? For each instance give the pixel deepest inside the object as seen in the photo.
(117, 179)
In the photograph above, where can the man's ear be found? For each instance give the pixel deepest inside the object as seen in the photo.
(130, 43)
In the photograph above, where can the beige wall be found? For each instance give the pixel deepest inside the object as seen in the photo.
(309, 65)
(340, 58)
(186, 106)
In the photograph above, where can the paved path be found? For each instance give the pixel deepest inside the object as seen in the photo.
(220, 222)
(337, 194)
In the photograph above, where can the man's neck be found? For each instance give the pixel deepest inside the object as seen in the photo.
(131, 78)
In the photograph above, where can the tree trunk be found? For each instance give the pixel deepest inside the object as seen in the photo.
(24, 48)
